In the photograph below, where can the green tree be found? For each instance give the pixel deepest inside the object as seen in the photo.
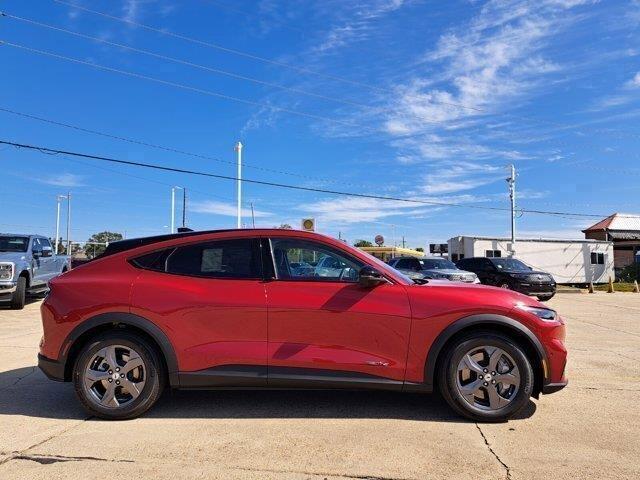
(362, 243)
(285, 226)
(419, 249)
(95, 245)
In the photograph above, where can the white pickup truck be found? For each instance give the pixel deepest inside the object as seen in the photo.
(27, 264)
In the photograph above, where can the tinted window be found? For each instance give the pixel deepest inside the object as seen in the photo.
(45, 243)
(305, 260)
(153, 261)
(220, 259)
(404, 263)
(509, 264)
(437, 264)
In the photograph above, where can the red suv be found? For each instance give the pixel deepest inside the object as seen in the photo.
(282, 308)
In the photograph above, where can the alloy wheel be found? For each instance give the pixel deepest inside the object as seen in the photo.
(115, 376)
(487, 378)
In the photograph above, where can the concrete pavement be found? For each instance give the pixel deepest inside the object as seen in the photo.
(589, 430)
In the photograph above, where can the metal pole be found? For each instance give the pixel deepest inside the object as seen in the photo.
(173, 207)
(68, 223)
(512, 196)
(184, 207)
(239, 150)
(57, 224)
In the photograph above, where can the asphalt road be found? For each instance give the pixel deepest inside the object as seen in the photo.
(589, 430)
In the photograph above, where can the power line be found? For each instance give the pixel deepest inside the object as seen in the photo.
(163, 147)
(177, 85)
(306, 70)
(191, 64)
(212, 45)
(52, 151)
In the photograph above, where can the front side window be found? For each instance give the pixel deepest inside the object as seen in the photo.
(306, 260)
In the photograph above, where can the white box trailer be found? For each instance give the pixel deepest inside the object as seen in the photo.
(569, 261)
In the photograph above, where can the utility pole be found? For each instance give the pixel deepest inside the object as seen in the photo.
(239, 151)
(68, 223)
(253, 217)
(512, 195)
(403, 241)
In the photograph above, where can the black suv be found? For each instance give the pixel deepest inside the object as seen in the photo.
(511, 273)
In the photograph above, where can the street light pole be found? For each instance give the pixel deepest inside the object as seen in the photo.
(173, 208)
(58, 199)
(68, 223)
(239, 151)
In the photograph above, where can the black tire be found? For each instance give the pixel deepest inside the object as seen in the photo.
(448, 374)
(503, 284)
(19, 297)
(544, 298)
(154, 373)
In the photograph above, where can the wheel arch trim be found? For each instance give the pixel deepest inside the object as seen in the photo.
(479, 321)
(127, 319)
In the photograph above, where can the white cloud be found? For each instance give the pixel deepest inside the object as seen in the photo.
(634, 82)
(455, 178)
(226, 209)
(63, 180)
(358, 210)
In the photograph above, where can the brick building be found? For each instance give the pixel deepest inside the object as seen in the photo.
(624, 231)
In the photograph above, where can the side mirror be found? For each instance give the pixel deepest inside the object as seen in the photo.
(370, 277)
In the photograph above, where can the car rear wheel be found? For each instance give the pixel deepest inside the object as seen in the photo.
(486, 377)
(19, 297)
(544, 298)
(118, 376)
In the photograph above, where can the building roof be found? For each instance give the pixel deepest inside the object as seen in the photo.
(518, 239)
(618, 221)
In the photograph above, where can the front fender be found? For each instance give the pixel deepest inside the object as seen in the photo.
(478, 320)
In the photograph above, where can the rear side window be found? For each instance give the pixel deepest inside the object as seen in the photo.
(220, 259)
(153, 261)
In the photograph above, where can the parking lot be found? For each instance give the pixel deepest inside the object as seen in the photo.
(591, 429)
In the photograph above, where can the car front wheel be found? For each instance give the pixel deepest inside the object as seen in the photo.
(486, 377)
(118, 376)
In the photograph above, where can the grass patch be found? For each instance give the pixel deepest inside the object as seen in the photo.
(618, 287)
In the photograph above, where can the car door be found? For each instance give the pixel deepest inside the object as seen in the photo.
(328, 330)
(39, 264)
(48, 260)
(210, 298)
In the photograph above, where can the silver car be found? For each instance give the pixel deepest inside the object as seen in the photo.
(432, 268)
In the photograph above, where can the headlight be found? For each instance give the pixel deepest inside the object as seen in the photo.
(6, 271)
(544, 314)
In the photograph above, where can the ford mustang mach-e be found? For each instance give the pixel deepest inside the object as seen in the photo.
(222, 309)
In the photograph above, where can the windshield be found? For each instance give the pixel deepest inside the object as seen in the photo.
(510, 264)
(437, 264)
(14, 244)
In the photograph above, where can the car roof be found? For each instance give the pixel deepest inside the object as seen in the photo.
(131, 243)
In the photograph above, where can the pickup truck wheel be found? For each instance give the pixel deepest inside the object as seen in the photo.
(486, 377)
(118, 376)
(19, 296)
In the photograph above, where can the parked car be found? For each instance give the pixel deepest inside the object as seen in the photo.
(27, 265)
(432, 267)
(222, 309)
(511, 273)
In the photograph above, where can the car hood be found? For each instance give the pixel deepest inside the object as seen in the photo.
(12, 256)
(471, 295)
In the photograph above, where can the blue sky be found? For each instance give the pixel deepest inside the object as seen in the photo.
(412, 98)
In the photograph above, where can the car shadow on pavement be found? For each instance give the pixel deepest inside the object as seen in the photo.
(4, 305)
(27, 392)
